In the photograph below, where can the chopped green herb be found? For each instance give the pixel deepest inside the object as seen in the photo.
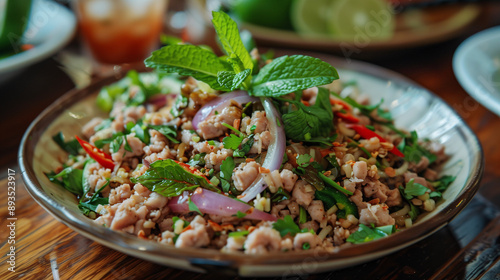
(226, 171)
(302, 215)
(238, 233)
(286, 226)
(280, 195)
(198, 159)
(366, 234)
(72, 146)
(306, 246)
(70, 178)
(245, 147)
(193, 207)
(168, 131)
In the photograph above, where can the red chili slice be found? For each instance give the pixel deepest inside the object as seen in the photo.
(366, 133)
(97, 154)
(347, 117)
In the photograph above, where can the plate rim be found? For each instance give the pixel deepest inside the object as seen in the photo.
(134, 246)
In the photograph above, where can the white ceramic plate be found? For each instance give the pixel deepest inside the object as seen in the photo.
(413, 107)
(476, 64)
(50, 27)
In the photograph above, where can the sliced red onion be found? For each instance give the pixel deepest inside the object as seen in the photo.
(275, 151)
(209, 202)
(160, 100)
(219, 103)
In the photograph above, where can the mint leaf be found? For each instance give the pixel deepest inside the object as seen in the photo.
(169, 178)
(291, 73)
(306, 120)
(229, 36)
(193, 207)
(231, 80)
(286, 226)
(189, 60)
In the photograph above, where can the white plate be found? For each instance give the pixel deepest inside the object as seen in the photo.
(411, 105)
(50, 27)
(476, 64)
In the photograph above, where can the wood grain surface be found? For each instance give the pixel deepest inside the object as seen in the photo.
(468, 248)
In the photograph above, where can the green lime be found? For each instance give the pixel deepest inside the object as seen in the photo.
(14, 17)
(310, 17)
(268, 13)
(372, 19)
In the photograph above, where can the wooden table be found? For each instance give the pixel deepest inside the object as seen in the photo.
(46, 249)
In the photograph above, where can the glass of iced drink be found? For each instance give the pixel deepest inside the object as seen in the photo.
(118, 32)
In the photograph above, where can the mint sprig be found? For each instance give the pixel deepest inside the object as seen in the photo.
(282, 76)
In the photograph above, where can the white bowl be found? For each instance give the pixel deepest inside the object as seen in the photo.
(476, 64)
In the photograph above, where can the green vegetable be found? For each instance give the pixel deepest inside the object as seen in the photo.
(413, 151)
(301, 120)
(280, 195)
(331, 197)
(367, 110)
(443, 183)
(141, 131)
(281, 76)
(193, 207)
(181, 102)
(226, 171)
(72, 146)
(115, 142)
(240, 214)
(304, 160)
(366, 234)
(198, 159)
(169, 179)
(70, 178)
(175, 219)
(333, 184)
(91, 205)
(245, 147)
(306, 246)
(86, 174)
(413, 189)
(302, 215)
(238, 233)
(291, 73)
(232, 141)
(286, 226)
(168, 131)
(189, 60)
